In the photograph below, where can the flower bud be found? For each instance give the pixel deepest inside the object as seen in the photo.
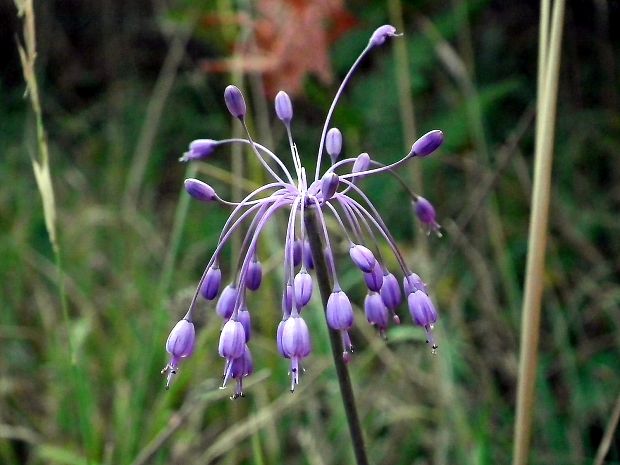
(374, 279)
(226, 303)
(297, 246)
(362, 163)
(302, 288)
(232, 340)
(376, 312)
(333, 143)
(287, 300)
(308, 260)
(200, 190)
(381, 34)
(279, 338)
(427, 144)
(425, 212)
(362, 257)
(421, 308)
(253, 275)
(180, 343)
(329, 185)
(284, 107)
(234, 101)
(199, 150)
(246, 322)
(390, 291)
(296, 338)
(412, 283)
(339, 311)
(211, 284)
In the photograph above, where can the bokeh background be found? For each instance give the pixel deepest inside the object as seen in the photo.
(125, 86)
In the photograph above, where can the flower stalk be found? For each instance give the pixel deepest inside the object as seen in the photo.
(342, 372)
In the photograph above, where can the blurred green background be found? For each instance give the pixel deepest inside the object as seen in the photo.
(125, 86)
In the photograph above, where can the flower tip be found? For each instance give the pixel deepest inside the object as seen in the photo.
(427, 144)
(381, 34)
(235, 101)
(284, 107)
(200, 190)
(329, 185)
(199, 150)
(333, 143)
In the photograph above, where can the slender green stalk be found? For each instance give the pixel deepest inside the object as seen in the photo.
(43, 177)
(534, 277)
(346, 389)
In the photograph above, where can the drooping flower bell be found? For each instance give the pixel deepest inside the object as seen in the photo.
(180, 344)
(335, 192)
(423, 314)
(425, 212)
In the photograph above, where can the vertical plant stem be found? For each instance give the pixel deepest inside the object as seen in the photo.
(534, 278)
(346, 390)
(43, 177)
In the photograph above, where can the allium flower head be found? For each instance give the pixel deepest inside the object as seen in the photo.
(336, 192)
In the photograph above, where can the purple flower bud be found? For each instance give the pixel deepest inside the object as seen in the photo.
(180, 344)
(362, 162)
(296, 338)
(376, 312)
(287, 300)
(295, 344)
(226, 303)
(374, 279)
(234, 101)
(308, 261)
(246, 321)
(297, 246)
(421, 308)
(362, 257)
(425, 212)
(303, 288)
(427, 144)
(423, 314)
(211, 284)
(390, 291)
(329, 185)
(284, 107)
(200, 190)
(381, 34)
(333, 143)
(232, 340)
(413, 283)
(240, 368)
(253, 275)
(279, 338)
(199, 150)
(339, 311)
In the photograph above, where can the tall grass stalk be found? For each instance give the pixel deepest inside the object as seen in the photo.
(548, 74)
(42, 173)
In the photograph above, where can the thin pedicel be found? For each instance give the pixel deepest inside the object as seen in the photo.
(337, 193)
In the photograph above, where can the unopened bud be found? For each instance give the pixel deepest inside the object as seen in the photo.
(284, 107)
(234, 101)
(333, 143)
(200, 190)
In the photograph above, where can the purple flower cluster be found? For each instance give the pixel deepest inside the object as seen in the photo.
(335, 193)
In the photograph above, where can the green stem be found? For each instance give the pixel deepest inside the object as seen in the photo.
(537, 240)
(346, 390)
